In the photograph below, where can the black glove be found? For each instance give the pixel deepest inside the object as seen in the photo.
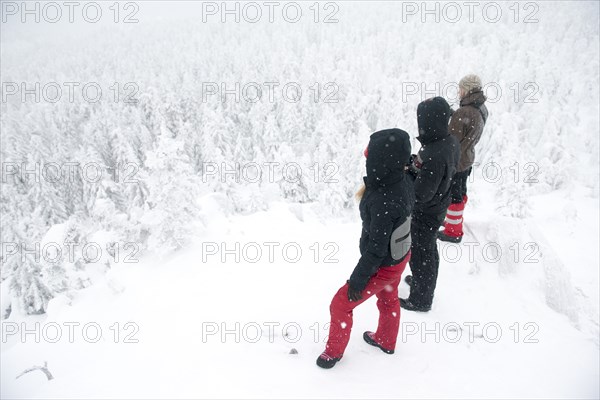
(353, 294)
(414, 166)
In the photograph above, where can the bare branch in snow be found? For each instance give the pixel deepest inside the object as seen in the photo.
(44, 369)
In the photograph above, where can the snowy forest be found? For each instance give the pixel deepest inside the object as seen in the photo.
(117, 133)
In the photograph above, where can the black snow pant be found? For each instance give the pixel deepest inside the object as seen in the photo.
(458, 189)
(425, 259)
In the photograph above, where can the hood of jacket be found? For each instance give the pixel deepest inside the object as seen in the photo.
(432, 117)
(475, 99)
(388, 152)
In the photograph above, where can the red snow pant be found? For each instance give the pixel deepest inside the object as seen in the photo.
(384, 285)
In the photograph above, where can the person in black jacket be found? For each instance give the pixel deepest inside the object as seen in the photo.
(432, 169)
(385, 210)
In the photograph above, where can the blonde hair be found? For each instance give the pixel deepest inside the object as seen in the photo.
(360, 193)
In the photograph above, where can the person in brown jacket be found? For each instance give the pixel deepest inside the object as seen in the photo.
(466, 125)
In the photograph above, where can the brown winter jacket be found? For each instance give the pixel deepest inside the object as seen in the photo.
(467, 124)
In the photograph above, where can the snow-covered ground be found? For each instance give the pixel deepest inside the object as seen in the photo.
(201, 327)
(241, 308)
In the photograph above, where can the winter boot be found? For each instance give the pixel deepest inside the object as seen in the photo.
(453, 226)
(441, 235)
(368, 336)
(326, 361)
(409, 306)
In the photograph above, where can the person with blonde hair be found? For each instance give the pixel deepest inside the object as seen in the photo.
(386, 203)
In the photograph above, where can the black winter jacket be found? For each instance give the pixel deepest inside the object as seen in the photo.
(386, 205)
(438, 157)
